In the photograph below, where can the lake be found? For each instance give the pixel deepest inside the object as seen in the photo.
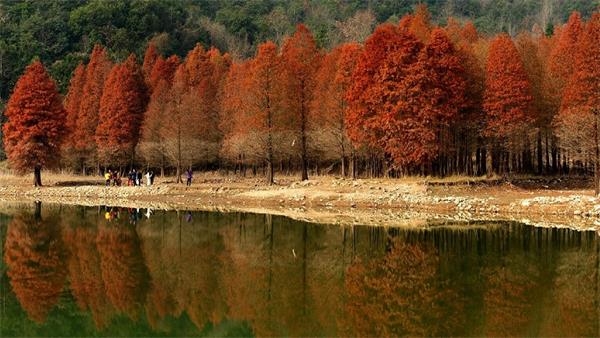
(109, 271)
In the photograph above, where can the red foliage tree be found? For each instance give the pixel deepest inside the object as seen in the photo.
(190, 129)
(96, 72)
(377, 114)
(562, 56)
(161, 80)
(329, 106)
(163, 70)
(436, 88)
(507, 101)
(73, 101)
(151, 56)
(420, 23)
(251, 121)
(35, 256)
(238, 141)
(534, 56)
(300, 58)
(469, 123)
(577, 122)
(34, 130)
(122, 109)
(469, 32)
(263, 97)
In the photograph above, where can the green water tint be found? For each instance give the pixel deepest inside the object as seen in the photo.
(81, 271)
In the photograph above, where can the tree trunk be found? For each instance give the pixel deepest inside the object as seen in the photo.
(38, 211)
(303, 150)
(37, 176)
(178, 172)
(488, 161)
(596, 155)
(270, 179)
(353, 165)
(540, 158)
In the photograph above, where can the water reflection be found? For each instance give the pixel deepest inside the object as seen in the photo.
(124, 272)
(35, 256)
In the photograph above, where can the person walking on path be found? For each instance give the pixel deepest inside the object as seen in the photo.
(189, 175)
(107, 177)
(148, 177)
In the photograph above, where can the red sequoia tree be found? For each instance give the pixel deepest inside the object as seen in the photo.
(329, 106)
(300, 58)
(73, 99)
(150, 58)
(577, 122)
(122, 109)
(378, 112)
(436, 91)
(562, 56)
(507, 103)
(250, 120)
(96, 72)
(34, 130)
(161, 80)
(72, 104)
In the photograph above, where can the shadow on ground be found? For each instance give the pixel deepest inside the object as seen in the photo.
(78, 183)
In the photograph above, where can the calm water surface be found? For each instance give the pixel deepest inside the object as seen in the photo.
(81, 271)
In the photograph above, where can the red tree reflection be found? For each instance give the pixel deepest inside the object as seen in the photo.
(123, 271)
(35, 256)
(85, 273)
(400, 294)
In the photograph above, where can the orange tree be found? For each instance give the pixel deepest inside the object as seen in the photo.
(507, 103)
(300, 59)
(374, 117)
(329, 105)
(122, 107)
(34, 130)
(95, 75)
(161, 79)
(577, 121)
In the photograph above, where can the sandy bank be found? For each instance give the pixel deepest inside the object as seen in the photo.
(383, 202)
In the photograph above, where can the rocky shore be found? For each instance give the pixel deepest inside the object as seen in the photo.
(326, 199)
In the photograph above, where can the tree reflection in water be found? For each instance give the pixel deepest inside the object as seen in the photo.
(124, 272)
(272, 276)
(400, 294)
(80, 233)
(35, 255)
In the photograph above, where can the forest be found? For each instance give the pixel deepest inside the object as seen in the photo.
(414, 95)
(63, 33)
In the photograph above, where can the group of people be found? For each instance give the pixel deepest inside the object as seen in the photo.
(134, 178)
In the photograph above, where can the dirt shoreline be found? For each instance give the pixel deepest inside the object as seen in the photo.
(325, 199)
